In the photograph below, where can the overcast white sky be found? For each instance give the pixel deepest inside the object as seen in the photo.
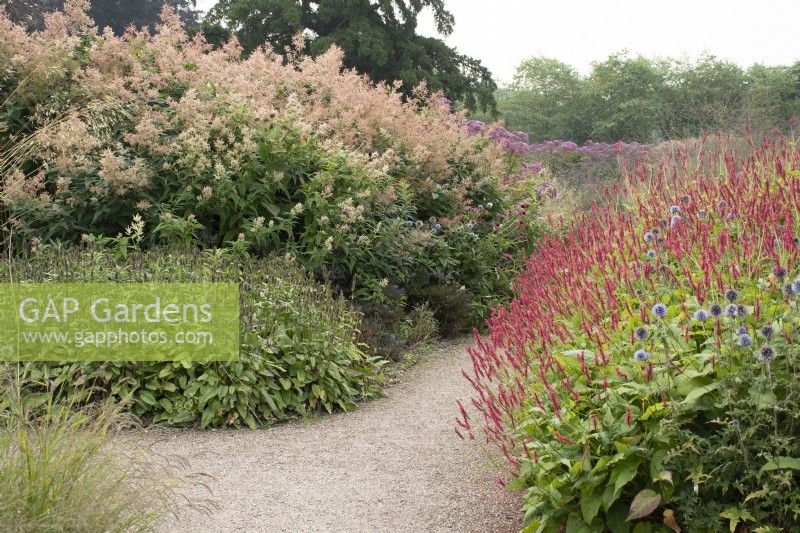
(501, 33)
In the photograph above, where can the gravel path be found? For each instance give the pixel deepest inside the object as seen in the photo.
(394, 464)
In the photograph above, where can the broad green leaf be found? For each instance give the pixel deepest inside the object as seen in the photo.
(644, 504)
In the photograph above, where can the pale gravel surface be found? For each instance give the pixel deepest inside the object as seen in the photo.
(394, 464)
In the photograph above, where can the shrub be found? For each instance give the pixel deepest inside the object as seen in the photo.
(255, 154)
(298, 351)
(645, 376)
(58, 472)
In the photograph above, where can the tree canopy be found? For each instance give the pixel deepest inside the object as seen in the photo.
(116, 14)
(378, 37)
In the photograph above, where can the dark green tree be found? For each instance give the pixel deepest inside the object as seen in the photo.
(116, 14)
(378, 37)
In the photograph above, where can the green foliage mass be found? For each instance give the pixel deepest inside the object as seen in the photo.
(633, 98)
(298, 349)
(379, 39)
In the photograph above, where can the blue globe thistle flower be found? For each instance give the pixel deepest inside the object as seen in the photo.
(480, 206)
(648, 237)
(676, 219)
(742, 330)
(716, 310)
(731, 295)
(409, 223)
(788, 290)
(745, 340)
(641, 355)
(419, 224)
(732, 310)
(651, 254)
(473, 236)
(660, 310)
(741, 310)
(437, 227)
(796, 286)
(489, 205)
(686, 199)
(701, 213)
(655, 231)
(779, 272)
(767, 331)
(641, 333)
(674, 210)
(767, 354)
(701, 315)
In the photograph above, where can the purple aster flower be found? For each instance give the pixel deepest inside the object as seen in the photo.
(660, 310)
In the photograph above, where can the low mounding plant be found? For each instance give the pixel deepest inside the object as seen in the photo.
(646, 376)
(298, 349)
(59, 473)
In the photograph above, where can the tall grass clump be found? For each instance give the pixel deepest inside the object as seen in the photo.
(645, 376)
(59, 473)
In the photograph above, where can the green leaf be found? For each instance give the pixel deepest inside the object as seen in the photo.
(736, 516)
(590, 504)
(698, 392)
(643, 504)
(781, 463)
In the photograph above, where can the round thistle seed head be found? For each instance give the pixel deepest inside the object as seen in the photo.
(767, 354)
(660, 310)
(796, 287)
(745, 340)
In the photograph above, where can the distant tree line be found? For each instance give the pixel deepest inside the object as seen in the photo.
(647, 100)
